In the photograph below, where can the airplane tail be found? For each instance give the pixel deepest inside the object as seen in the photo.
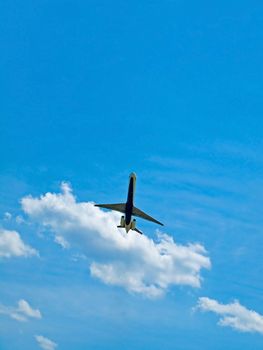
(133, 229)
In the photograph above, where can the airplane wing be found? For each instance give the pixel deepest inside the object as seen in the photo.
(118, 207)
(141, 214)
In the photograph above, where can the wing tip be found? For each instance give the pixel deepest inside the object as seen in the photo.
(159, 223)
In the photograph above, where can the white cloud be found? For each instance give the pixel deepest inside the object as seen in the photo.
(26, 309)
(77, 257)
(22, 312)
(234, 315)
(62, 242)
(12, 245)
(7, 216)
(45, 343)
(135, 262)
(20, 219)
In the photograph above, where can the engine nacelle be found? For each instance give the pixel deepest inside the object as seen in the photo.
(133, 224)
(122, 224)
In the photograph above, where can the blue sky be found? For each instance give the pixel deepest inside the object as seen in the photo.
(91, 91)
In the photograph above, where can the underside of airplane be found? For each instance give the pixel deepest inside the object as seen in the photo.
(129, 210)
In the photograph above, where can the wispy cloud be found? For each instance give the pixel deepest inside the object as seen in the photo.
(45, 343)
(11, 245)
(7, 216)
(217, 188)
(22, 312)
(233, 315)
(136, 263)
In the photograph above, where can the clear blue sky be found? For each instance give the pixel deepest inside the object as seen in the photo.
(173, 90)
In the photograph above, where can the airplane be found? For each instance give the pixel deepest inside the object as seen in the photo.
(128, 209)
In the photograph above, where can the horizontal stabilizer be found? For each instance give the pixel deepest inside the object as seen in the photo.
(140, 232)
(141, 214)
(118, 207)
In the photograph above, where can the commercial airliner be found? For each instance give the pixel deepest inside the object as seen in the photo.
(128, 209)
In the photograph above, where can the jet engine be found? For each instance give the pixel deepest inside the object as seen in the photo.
(133, 224)
(122, 224)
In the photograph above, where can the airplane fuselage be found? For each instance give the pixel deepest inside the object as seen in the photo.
(129, 203)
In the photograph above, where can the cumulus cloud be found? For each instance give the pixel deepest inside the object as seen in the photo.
(12, 245)
(233, 315)
(22, 312)
(45, 343)
(134, 262)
